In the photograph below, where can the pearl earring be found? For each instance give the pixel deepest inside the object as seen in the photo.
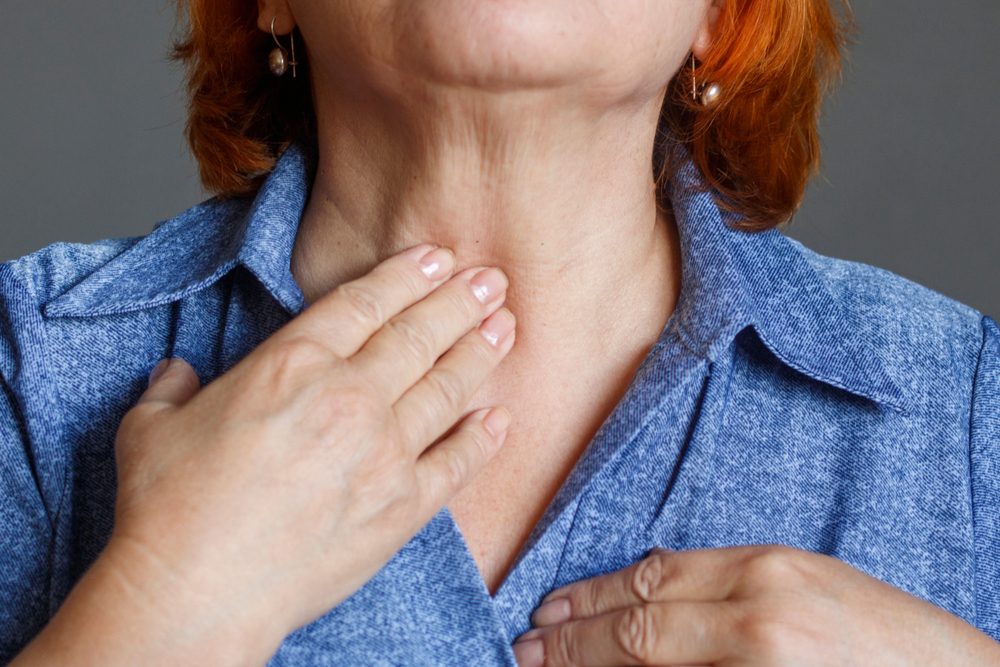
(708, 94)
(278, 60)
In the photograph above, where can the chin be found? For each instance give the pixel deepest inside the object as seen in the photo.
(511, 44)
(608, 48)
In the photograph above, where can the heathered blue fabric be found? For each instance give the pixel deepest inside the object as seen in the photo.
(791, 398)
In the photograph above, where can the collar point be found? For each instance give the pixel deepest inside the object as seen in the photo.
(856, 372)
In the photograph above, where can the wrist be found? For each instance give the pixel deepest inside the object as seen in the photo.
(128, 609)
(191, 620)
(921, 632)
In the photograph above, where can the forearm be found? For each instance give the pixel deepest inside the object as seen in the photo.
(951, 641)
(120, 613)
(924, 632)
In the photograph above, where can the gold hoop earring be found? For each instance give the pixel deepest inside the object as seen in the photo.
(278, 60)
(709, 94)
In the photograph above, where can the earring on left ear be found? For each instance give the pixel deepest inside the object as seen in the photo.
(709, 94)
(278, 60)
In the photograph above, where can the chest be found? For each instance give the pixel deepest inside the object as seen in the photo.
(550, 431)
(753, 457)
(498, 510)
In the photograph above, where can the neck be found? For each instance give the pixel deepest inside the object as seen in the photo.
(559, 196)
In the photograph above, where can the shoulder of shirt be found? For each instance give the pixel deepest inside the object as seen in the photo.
(121, 274)
(54, 268)
(82, 282)
(928, 342)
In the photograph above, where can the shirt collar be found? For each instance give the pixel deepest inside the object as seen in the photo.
(197, 247)
(731, 278)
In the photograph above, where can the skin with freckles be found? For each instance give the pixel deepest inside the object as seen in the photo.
(519, 133)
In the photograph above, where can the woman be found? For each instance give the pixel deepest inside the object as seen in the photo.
(723, 449)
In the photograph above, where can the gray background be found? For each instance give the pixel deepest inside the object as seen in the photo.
(92, 114)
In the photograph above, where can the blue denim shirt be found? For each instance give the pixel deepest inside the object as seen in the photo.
(791, 398)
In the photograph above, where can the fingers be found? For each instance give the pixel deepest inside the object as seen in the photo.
(432, 406)
(349, 314)
(449, 465)
(402, 351)
(674, 633)
(173, 382)
(695, 575)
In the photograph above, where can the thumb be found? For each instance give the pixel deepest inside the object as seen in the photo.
(172, 381)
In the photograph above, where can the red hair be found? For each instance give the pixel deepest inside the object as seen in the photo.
(757, 148)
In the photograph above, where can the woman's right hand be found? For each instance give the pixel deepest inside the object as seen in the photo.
(265, 498)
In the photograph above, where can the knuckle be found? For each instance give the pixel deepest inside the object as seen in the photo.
(284, 367)
(482, 442)
(411, 279)
(457, 470)
(449, 388)
(636, 634)
(760, 635)
(561, 648)
(418, 340)
(465, 304)
(585, 598)
(302, 381)
(296, 352)
(364, 303)
(650, 577)
(773, 563)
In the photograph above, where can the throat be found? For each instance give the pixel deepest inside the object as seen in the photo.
(559, 395)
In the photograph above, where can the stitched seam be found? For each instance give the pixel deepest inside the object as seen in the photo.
(972, 490)
(150, 301)
(897, 406)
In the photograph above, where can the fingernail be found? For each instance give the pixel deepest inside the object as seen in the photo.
(552, 612)
(561, 592)
(158, 370)
(530, 653)
(488, 283)
(534, 633)
(437, 263)
(497, 421)
(497, 326)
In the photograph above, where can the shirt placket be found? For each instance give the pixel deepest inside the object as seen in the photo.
(616, 486)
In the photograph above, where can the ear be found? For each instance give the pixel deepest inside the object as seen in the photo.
(706, 31)
(278, 10)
